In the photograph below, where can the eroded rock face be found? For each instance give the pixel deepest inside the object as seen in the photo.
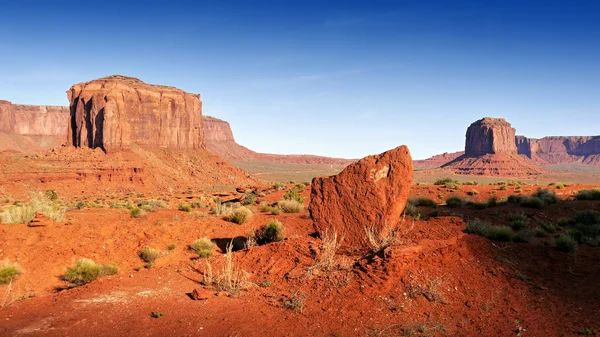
(490, 136)
(559, 150)
(370, 193)
(33, 120)
(117, 112)
(217, 130)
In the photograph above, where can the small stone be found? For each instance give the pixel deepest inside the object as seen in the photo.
(201, 294)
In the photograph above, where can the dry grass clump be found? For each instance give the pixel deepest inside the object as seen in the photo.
(230, 278)
(240, 215)
(40, 202)
(271, 232)
(203, 247)
(85, 271)
(149, 254)
(429, 290)
(290, 206)
(225, 209)
(9, 271)
(379, 240)
(330, 244)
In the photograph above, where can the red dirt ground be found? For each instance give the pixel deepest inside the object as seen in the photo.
(434, 280)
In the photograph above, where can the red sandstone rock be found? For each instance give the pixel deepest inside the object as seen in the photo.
(38, 120)
(201, 294)
(561, 150)
(489, 136)
(118, 111)
(369, 193)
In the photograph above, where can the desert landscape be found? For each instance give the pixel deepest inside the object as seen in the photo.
(128, 211)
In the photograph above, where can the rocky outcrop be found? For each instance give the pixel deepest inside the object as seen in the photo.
(369, 194)
(561, 150)
(491, 149)
(490, 136)
(116, 112)
(36, 120)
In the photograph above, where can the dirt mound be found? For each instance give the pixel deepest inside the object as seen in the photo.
(369, 194)
(73, 171)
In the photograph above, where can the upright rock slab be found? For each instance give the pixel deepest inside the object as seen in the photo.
(118, 111)
(33, 120)
(370, 193)
(490, 136)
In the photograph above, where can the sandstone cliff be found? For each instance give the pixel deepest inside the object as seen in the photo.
(117, 111)
(38, 120)
(561, 150)
(489, 136)
(491, 149)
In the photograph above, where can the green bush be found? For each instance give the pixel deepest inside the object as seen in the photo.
(473, 192)
(271, 232)
(264, 206)
(85, 271)
(412, 211)
(565, 243)
(454, 202)
(589, 217)
(184, 207)
(548, 227)
(588, 194)
(492, 202)
(136, 212)
(240, 215)
(532, 202)
(444, 181)
(476, 227)
(279, 186)
(250, 199)
(452, 186)
(275, 210)
(546, 196)
(203, 247)
(479, 205)
(293, 194)
(500, 233)
(51, 195)
(290, 206)
(9, 271)
(524, 235)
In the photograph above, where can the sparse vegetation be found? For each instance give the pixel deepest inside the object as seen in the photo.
(230, 278)
(149, 254)
(518, 221)
(250, 199)
(240, 215)
(497, 233)
(85, 271)
(39, 202)
(454, 202)
(271, 232)
(330, 243)
(294, 302)
(136, 212)
(171, 246)
(423, 201)
(412, 211)
(565, 243)
(588, 194)
(184, 207)
(290, 206)
(9, 271)
(444, 181)
(473, 192)
(293, 194)
(203, 247)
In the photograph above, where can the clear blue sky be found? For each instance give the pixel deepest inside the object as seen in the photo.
(335, 78)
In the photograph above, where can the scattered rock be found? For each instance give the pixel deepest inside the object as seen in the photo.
(369, 193)
(201, 294)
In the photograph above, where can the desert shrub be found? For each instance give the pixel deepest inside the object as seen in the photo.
(51, 195)
(171, 246)
(539, 232)
(492, 202)
(518, 221)
(589, 217)
(434, 213)
(500, 233)
(532, 202)
(502, 188)
(560, 186)
(565, 243)
(149, 254)
(203, 247)
(588, 194)
(230, 278)
(271, 232)
(413, 211)
(423, 201)
(330, 243)
(293, 194)
(225, 209)
(9, 271)
(589, 231)
(264, 206)
(548, 227)
(279, 186)
(184, 207)
(444, 181)
(250, 199)
(85, 271)
(17, 214)
(240, 215)
(524, 235)
(477, 227)
(137, 212)
(454, 202)
(290, 206)
(546, 196)
(275, 210)
(479, 205)
(470, 183)
(452, 186)
(473, 192)
(24, 213)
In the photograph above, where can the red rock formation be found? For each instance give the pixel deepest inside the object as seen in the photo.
(437, 160)
(491, 149)
(39, 120)
(561, 150)
(117, 111)
(219, 140)
(369, 193)
(490, 135)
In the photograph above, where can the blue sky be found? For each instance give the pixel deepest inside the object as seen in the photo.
(335, 78)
